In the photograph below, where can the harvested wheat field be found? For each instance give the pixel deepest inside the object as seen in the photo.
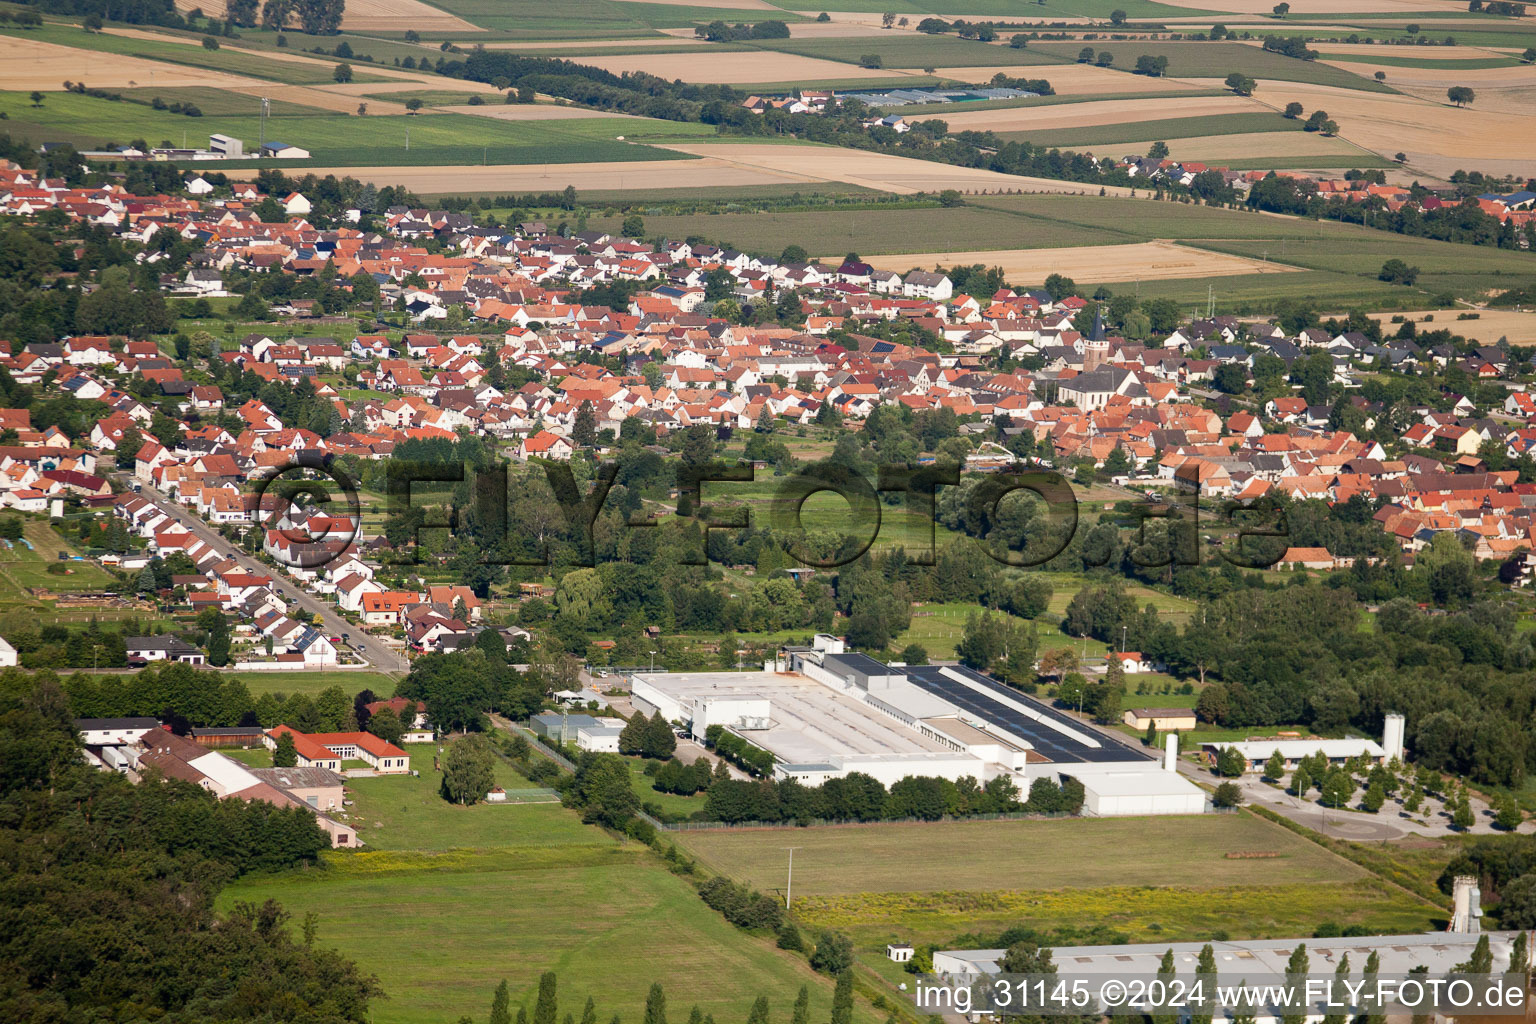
(324, 97)
(1068, 79)
(1437, 137)
(371, 16)
(734, 67)
(1342, 50)
(899, 174)
(1258, 145)
(1091, 113)
(1501, 90)
(27, 64)
(1488, 328)
(1145, 261)
(735, 5)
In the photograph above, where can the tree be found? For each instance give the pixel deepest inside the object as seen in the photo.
(1085, 55)
(37, 98)
(584, 429)
(413, 104)
(793, 254)
(802, 1011)
(343, 73)
(1228, 794)
(1508, 815)
(1241, 84)
(386, 725)
(469, 769)
(1281, 10)
(1293, 110)
(1117, 17)
(1460, 95)
(887, 20)
(210, 43)
(1158, 151)
(655, 1005)
(1374, 798)
(286, 755)
(1463, 818)
(842, 997)
(833, 953)
(501, 1005)
(633, 226)
(1230, 763)
(1296, 969)
(1396, 271)
(1529, 56)
(1274, 768)
(1381, 76)
(546, 1007)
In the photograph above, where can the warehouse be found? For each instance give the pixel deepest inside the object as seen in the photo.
(1294, 749)
(823, 714)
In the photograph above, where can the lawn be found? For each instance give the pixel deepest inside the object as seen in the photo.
(1163, 128)
(671, 803)
(407, 812)
(313, 682)
(341, 139)
(1217, 60)
(937, 628)
(441, 931)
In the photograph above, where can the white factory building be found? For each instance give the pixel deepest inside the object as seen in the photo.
(1257, 752)
(1255, 961)
(824, 714)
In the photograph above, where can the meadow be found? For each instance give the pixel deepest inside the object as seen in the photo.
(313, 682)
(441, 930)
(593, 19)
(343, 140)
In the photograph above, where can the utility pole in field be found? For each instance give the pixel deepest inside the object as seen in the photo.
(789, 882)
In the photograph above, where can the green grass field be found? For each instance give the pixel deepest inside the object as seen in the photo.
(341, 139)
(407, 812)
(1163, 128)
(1013, 9)
(441, 931)
(1217, 60)
(1428, 64)
(313, 682)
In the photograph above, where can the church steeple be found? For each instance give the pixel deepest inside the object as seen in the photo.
(1095, 348)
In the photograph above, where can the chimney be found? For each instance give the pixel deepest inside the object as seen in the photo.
(1171, 755)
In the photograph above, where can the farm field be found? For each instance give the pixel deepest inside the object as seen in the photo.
(378, 16)
(342, 140)
(1215, 60)
(1091, 113)
(915, 50)
(730, 67)
(1271, 149)
(1508, 89)
(1163, 128)
(30, 61)
(579, 910)
(868, 232)
(1034, 854)
(1491, 324)
(1072, 81)
(1436, 137)
(1149, 261)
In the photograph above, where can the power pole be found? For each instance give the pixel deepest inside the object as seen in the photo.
(789, 883)
(266, 106)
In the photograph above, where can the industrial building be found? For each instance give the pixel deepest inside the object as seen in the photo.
(823, 714)
(1257, 752)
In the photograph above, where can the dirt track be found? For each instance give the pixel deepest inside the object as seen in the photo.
(1146, 261)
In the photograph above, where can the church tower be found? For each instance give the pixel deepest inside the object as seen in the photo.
(1095, 348)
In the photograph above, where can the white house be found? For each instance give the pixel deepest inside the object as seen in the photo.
(295, 205)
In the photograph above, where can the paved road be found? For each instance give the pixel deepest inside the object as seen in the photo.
(370, 648)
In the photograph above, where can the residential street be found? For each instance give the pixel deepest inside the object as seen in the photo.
(369, 647)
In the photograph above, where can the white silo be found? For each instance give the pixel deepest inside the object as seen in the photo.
(1171, 755)
(1392, 736)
